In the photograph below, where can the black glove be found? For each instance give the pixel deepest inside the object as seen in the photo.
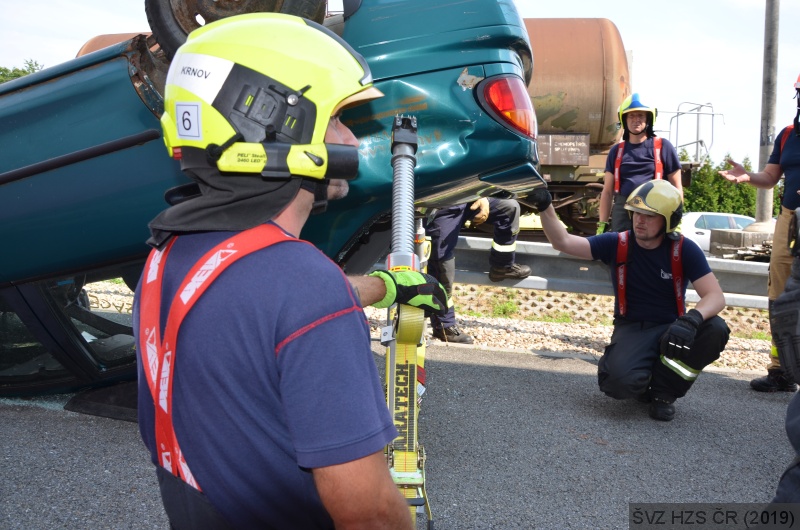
(412, 288)
(679, 337)
(540, 198)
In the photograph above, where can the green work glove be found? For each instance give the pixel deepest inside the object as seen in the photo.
(414, 289)
(602, 227)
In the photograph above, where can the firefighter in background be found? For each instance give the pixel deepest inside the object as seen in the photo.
(784, 161)
(444, 226)
(259, 398)
(657, 349)
(640, 156)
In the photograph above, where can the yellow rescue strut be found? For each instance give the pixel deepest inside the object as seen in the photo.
(403, 335)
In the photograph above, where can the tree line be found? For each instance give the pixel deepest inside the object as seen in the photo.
(7, 74)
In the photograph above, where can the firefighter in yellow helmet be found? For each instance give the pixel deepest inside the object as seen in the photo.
(258, 392)
(657, 349)
(640, 156)
(784, 161)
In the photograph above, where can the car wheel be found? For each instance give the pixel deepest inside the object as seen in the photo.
(172, 20)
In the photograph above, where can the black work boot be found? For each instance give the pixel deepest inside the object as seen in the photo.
(662, 409)
(452, 334)
(774, 381)
(515, 271)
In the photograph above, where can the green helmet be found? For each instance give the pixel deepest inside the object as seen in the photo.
(254, 93)
(658, 197)
(633, 104)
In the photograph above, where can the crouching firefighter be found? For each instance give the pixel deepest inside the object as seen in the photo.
(657, 349)
(259, 397)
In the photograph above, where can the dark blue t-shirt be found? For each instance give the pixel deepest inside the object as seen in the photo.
(790, 165)
(650, 293)
(274, 375)
(638, 163)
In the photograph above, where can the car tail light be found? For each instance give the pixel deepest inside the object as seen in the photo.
(509, 100)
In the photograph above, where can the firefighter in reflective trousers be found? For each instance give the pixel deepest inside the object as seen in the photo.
(657, 349)
(444, 227)
(259, 398)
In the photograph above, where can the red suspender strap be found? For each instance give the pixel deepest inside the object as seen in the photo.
(617, 163)
(677, 272)
(786, 132)
(622, 259)
(159, 355)
(657, 156)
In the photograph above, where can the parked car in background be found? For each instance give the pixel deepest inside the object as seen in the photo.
(697, 226)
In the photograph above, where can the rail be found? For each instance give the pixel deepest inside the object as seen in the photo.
(743, 282)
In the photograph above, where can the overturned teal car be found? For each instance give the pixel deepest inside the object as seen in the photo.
(84, 167)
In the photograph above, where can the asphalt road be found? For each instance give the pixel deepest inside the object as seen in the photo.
(513, 441)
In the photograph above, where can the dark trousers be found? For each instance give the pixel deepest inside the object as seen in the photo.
(186, 507)
(620, 217)
(444, 229)
(632, 364)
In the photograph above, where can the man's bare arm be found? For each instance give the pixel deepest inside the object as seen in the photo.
(562, 240)
(360, 495)
(765, 179)
(369, 289)
(712, 299)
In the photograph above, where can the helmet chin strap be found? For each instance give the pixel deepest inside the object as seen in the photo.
(320, 190)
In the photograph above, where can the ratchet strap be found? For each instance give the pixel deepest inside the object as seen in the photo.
(159, 352)
(676, 261)
(659, 172)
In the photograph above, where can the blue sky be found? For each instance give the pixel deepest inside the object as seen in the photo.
(698, 51)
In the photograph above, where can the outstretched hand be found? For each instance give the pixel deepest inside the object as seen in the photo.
(736, 174)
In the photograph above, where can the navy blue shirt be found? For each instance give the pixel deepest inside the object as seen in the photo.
(789, 161)
(638, 163)
(650, 293)
(274, 375)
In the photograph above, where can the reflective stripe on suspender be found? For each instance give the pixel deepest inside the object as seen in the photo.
(676, 263)
(659, 171)
(159, 355)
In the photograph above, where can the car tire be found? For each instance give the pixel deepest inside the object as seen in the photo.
(172, 20)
